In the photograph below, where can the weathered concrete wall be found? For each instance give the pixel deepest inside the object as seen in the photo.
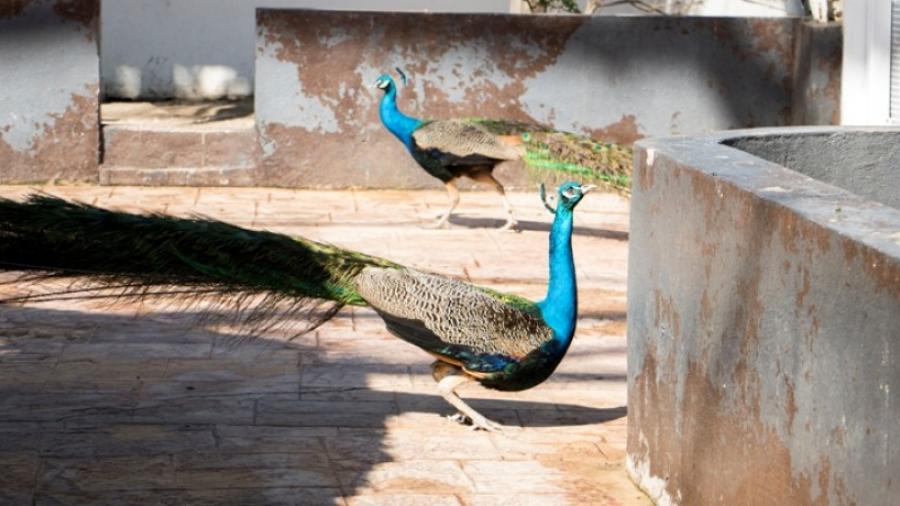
(202, 49)
(49, 109)
(615, 78)
(863, 163)
(763, 324)
(818, 62)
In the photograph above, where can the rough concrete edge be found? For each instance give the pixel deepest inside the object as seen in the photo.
(729, 165)
(653, 487)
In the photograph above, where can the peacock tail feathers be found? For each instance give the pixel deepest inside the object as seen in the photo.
(552, 156)
(261, 277)
(261, 280)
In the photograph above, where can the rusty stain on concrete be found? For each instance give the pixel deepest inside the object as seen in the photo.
(13, 8)
(624, 131)
(883, 271)
(84, 12)
(323, 46)
(314, 69)
(66, 148)
(770, 37)
(51, 126)
(830, 66)
(750, 465)
(757, 400)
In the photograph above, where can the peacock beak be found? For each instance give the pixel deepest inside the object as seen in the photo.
(587, 188)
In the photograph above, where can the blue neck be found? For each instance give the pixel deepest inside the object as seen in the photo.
(560, 308)
(399, 124)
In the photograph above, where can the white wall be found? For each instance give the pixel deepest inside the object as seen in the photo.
(865, 78)
(749, 8)
(204, 48)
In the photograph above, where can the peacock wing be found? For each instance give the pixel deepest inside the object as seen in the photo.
(460, 141)
(454, 320)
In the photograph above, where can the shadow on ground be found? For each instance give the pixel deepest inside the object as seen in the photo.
(537, 226)
(107, 408)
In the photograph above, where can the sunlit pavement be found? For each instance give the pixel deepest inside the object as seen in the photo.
(140, 404)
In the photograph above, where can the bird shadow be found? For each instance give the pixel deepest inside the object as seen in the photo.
(537, 226)
(222, 111)
(95, 399)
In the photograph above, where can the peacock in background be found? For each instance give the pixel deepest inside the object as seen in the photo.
(500, 340)
(473, 147)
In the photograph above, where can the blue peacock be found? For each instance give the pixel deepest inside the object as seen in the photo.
(499, 340)
(472, 147)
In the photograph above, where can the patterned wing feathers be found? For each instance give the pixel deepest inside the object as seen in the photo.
(463, 139)
(454, 313)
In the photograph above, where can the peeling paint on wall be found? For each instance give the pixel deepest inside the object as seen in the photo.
(294, 107)
(616, 79)
(49, 104)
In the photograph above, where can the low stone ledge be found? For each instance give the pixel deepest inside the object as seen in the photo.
(763, 318)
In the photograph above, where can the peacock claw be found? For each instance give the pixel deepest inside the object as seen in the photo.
(485, 425)
(459, 418)
(442, 223)
(479, 423)
(511, 225)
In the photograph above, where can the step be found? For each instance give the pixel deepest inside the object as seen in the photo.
(178, 176)
(177, 145)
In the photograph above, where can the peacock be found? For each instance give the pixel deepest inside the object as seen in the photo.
(499, 340)
(473, 147)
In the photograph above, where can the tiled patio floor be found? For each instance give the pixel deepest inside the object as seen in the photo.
(137, 405)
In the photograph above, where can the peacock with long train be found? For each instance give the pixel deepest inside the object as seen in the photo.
(473, 147)
(500, 340)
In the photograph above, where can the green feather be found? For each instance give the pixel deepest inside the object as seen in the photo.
(552, 157)
(212, 262)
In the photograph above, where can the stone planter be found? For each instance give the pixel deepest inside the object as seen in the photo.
(764, 317)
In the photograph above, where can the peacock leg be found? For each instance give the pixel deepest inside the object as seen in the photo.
(489, 179)
(447, 387)
(453, 194)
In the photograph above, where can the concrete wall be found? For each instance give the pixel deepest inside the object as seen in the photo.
(49, 108)
(202, 49)
(763, 321)
(614, 78)
(818, 61)
(866, 165)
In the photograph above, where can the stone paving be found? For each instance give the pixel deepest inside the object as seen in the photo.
(139, 404)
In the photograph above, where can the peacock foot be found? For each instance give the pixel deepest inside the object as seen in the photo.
(511, 225)
(459, 418)
(482, 423)
(440, 223)
(478, 423)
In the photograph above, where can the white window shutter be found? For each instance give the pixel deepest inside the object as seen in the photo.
(895, 62)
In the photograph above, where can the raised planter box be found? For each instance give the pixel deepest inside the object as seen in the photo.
(764, 317)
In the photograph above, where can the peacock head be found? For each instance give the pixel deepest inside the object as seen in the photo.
(570, 194)
(385, 82)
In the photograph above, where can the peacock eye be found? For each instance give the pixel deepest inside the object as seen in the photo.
(569, 193)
